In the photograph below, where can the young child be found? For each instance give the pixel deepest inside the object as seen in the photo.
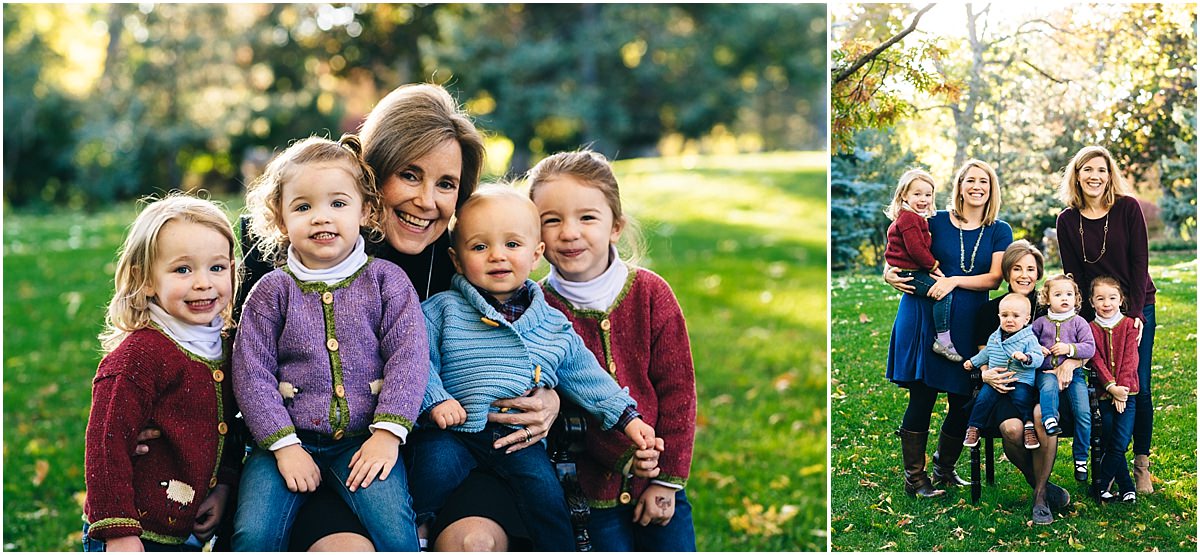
(1064, 334)
(1012, 346)
(164, 366)
(908, 244)
(493, 336)
(331, 356)
(629, 318)
(1116, 363)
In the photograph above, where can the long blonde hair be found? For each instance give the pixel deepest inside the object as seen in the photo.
(1070, 192)
(129, 309)
(992, 209)
(903, 186)
(594, 170)
(264, 198)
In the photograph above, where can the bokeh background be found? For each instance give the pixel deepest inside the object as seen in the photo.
(1023, 87)
(716, 114)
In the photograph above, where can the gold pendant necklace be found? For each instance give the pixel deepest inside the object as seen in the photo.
(1103, 242)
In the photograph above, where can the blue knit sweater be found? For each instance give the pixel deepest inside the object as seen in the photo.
(998, 354)
(476, 357)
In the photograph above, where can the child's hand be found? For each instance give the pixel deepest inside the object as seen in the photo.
(298, 469)
(448, 413)
(1060, 349)
(967, 364)
(377, 456)
(124, 543)
(1022, 357)
(210, 511)
(938, 273)
(641, 433)
(645, 461)
(655, 506)
(1045, 351)
(1119, 393)
(1119, 405)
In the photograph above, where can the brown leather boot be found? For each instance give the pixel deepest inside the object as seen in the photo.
(1141, 474)
(944, 459)
(912, 448)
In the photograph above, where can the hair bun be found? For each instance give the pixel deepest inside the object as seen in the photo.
(352, 143)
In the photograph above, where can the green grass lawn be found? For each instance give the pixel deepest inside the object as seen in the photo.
(740, 239)
(870, 511)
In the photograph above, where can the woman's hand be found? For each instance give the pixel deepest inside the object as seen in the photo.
(537, 413)
(298, 469)
(209, 512)
(1065, 374)
(645, 461)
(892, 277)
(655, 506)
(942, 286)
(998, 379)
(376, 457)
(1137, 325)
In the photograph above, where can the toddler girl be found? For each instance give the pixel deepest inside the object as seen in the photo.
(629, 318)
(331, 357)
(164, 367)
(908, 249)
(1064, 334)
(1116, 363)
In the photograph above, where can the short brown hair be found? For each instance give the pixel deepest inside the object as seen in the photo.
(1016, 251)
(411, 121)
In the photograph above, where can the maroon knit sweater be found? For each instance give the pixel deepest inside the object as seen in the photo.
(149, 381)
(1116, 360)
(642, 341)
(1126, 253)
(908, 243)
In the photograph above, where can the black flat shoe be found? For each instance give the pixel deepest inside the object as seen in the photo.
(1057, 497)
(1042, 515)
(1081, 471)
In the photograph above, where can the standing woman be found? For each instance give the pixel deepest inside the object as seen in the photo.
(1103, 232)
(968, 242)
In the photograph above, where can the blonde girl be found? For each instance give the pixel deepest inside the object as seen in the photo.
(1116, 364)
(629, 318)
(331, 357)
(164, 364)
(908, 250)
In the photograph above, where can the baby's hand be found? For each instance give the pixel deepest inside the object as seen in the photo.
(448, 413)
(967, 364)
(377, 456)
(1045, 351)
(1024, 358)
(1059, 349)
(298, 469)
(645, 461)
(641, 433)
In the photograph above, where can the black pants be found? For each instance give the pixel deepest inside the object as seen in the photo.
(921, 399)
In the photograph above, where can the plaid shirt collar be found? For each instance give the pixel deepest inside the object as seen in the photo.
(515, 306)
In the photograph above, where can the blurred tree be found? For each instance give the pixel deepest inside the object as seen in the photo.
(862, 183)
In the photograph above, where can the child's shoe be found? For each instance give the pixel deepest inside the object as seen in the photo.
(1129, 497)
(944, 347)
(972, 438)
(1052, 427)
(1081, 471)
(1031, 439)
(1107, 496)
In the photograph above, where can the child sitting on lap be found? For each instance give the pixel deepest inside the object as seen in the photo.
(1012, 346)
(493, 336)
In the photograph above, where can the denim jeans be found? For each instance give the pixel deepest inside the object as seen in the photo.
(1143, 426)
(941, 308)
(1076, 393)
(98, 546)
(441, 460)
(1118, 428)
(1023, 397)
(614, 530)
(266, 508)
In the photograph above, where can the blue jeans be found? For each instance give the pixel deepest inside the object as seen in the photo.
(266, 508)
(941, 309)
(1023, 398)
(98, 546)
(1143, 425)
(441, 460)
(614, 530)
(1076, 393)
(1118, 428)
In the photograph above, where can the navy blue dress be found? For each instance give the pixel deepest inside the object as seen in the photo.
(910, 356)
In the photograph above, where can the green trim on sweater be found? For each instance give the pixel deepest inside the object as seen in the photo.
(271, 439)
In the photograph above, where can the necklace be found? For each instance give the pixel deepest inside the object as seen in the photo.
(1103, 242)
(429, 278)
(962, 262)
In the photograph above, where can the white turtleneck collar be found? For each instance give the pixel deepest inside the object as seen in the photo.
(599, 293)
(1061, 316)
(1109, 323)
(342, 270)
(200, 340)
